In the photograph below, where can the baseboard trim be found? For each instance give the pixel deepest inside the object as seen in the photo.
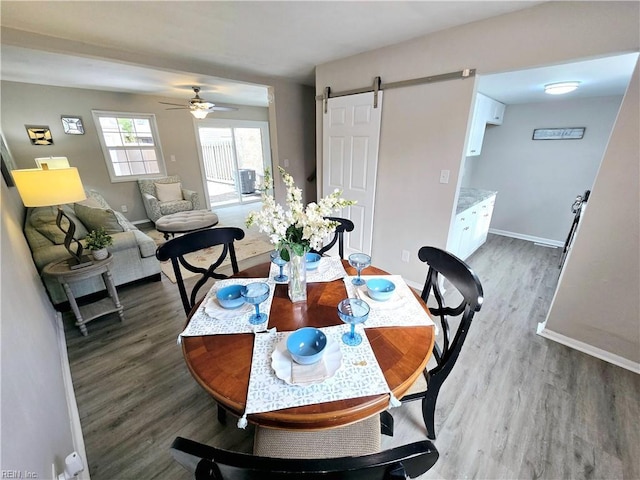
(76, 427)
(588, 349)
(530, 238)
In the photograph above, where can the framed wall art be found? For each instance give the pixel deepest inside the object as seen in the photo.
(572, 133)
(39, 134)
(72, 125)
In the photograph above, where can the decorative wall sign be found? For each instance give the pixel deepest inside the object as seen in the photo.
(72, 125)
(573, 133)
(39, 134)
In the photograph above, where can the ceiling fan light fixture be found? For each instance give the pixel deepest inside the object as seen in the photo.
(199, 114)
(560, 88)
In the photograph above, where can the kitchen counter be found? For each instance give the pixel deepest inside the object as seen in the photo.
(472, 196)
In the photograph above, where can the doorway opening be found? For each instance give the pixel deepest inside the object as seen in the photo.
(233, 156)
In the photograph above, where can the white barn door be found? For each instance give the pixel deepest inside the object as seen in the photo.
(351, 135)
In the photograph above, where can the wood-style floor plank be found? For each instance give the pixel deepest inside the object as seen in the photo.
(516, 406)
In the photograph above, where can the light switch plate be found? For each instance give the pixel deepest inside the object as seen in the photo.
(444, 176)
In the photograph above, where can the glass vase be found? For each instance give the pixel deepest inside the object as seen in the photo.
(297, 276)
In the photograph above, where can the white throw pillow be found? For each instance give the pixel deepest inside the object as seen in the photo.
(168, 192)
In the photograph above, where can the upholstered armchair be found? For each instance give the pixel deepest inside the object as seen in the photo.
(165, 195)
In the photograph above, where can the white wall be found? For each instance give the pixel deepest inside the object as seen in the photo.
(411, 158)
(597, 304)
(36, 422)
(538, 180)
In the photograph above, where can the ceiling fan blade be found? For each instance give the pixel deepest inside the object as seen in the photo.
(176, 104)
(222, 109)
(177, 108)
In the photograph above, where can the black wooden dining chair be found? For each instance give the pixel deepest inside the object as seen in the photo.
(176, 249)
(444, 266)
(210, 463)
(344, 225)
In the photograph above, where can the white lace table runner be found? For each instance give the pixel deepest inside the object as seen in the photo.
(329, 269)
(401, 310)
(212, 319)
(358, 376)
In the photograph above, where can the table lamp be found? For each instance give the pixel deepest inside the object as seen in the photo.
(46, 188)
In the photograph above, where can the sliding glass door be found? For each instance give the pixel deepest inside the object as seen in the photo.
(234, 155)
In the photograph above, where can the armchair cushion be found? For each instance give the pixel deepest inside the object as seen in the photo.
(94, 218)
(167, 208)
(168, 192)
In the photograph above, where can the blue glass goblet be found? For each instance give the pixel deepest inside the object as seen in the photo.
(352, 311)
(359, 261)
(280, 262)
(255, 293)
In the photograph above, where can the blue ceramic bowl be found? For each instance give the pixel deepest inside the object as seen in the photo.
(312, 260)
(380, 289)
(230, 296)
(306, 345)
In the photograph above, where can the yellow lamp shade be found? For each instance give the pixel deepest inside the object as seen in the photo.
(43, 188)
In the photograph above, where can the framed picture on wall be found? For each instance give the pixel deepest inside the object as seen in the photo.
(72, 125)
(39, 134)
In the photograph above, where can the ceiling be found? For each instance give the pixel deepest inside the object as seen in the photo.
(264, 38)
(599, 77)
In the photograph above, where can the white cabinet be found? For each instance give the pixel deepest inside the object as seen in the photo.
(476, 136)
(462, 233)
(487, 110)
(496, 112)
(483, 212)
(470, 228)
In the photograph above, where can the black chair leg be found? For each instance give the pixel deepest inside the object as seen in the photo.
(428, 414)
(222, 415)
(386, 424)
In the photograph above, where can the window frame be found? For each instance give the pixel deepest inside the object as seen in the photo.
(106, 150)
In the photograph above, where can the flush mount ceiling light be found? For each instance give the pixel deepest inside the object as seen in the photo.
(560, 88)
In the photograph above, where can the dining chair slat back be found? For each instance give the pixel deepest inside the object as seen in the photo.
(176, 249)
(210, 463)
(344, 225)
(460, 304)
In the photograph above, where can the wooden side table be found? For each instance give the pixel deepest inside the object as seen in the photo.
(60, 270)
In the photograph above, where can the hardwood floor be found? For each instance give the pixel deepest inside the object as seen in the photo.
(516, 406)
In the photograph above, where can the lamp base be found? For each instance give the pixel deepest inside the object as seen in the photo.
(77, 260)
(83, 261)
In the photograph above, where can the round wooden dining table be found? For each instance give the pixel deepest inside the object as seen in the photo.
(221, 364)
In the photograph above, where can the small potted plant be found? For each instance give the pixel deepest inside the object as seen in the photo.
(98, 241)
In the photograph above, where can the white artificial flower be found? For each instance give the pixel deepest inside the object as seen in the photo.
(310, 227)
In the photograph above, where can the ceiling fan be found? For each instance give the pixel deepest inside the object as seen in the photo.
(198, 106)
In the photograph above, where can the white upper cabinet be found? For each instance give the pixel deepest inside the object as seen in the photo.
(496, 112)
(487, 110)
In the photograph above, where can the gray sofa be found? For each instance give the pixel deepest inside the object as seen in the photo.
(133, 250)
